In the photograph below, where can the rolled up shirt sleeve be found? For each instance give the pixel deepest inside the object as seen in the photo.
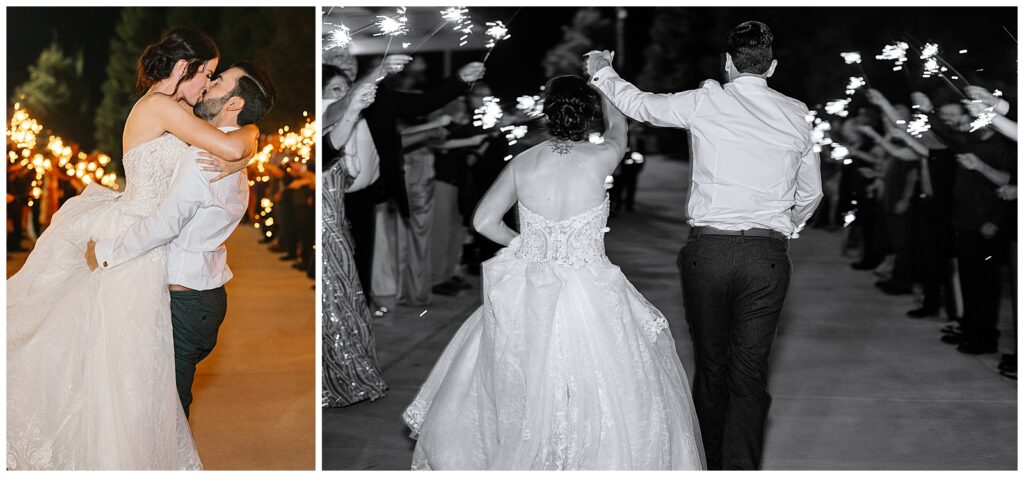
(808, 188)
(664, 110)
(189, 191)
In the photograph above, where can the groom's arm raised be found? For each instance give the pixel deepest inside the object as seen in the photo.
(665, 110)
(189, 192)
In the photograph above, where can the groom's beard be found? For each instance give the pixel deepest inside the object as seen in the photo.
(209, 108)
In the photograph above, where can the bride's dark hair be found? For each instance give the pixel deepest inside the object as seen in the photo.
(569, 104)
(157, 61)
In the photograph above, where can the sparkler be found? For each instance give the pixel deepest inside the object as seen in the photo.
(838, 107)
(514, 133)
(896, 52)
(487, 115)
(917, 126)
(533, 106)
(983, 119)
(851, 57)
(391, 27)
(459, 18)
(855, 83)
(498, 32)
(839, 152)
(340, 37)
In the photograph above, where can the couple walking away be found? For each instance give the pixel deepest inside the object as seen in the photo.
(566, 365)
(123, 294)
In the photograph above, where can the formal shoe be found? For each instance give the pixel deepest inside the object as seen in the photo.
(445, 289)
(952, 329)
(977, 347)
(461, 283)
(923, 312)
(953, 338)
(290, 256)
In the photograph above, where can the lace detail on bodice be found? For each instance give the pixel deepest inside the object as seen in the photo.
(148, 168)
(575, 241)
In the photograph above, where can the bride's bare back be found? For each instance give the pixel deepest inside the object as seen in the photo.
(558, 186)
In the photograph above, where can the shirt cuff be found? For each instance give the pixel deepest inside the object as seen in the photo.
(104, 251)
(603, 73)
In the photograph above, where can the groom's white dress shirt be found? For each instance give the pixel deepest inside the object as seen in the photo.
(752, 158)
(194, 220)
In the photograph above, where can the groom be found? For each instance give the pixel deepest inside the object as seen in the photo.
(755, 181)
(194, 220)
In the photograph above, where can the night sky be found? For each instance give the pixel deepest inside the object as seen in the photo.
(30, 31)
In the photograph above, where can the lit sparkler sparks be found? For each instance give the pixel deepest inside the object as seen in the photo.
(487, 115)
(838, 107)
(851, 57)
(595, 138)
(855, 83)
(839, 152)
(983, 119)
(393, 26)
(896, 52)
(460, 20)
(497, 31)
(514, 133)
(533, 106)
(917, 126)
(340, 37)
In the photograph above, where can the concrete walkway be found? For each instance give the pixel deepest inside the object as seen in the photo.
(856, 385)
(256, 395)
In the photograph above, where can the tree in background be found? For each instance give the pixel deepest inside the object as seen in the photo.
(54, 94)
(136, 28)
(590, 30)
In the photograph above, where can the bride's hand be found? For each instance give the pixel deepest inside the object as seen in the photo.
(90, 256)
(212, 163)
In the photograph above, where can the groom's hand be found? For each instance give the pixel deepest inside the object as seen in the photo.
(90, 256)
(597, 60)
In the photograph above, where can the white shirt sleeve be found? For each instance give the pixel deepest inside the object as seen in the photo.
(664, 110)
(189, 191)
(808, 188)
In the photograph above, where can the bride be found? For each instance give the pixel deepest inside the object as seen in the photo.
(566, 365)
(90, 357)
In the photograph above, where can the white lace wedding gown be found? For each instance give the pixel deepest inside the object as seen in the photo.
(90, 355)
(565, 366)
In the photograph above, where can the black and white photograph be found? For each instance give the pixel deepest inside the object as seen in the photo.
(668, 238)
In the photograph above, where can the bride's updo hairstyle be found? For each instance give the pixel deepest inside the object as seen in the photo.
(158, 59)
(569, 104)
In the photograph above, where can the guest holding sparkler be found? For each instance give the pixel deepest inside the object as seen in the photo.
(350, 369)
(987, 162)
(381, 119)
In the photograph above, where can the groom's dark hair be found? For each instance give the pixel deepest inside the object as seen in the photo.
(256, 89)
(750, 45)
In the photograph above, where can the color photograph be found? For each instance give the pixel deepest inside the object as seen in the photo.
(160, 238)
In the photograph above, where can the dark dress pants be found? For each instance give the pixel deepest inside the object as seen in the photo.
(733, 291)
(196, 316)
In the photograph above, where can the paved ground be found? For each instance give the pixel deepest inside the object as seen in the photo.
(256, 395)
(856, 385)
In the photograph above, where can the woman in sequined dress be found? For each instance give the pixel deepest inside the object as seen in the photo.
(350, 369)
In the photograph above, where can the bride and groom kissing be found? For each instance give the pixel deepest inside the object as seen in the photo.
(566, 365)
(123, 294)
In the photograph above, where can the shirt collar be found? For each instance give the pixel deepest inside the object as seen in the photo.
(750, 79)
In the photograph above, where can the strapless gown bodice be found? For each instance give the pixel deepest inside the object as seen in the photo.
(575, 241)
